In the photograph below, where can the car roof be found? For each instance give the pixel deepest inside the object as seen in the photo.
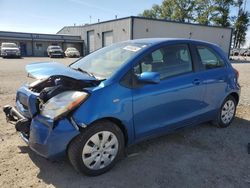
(54, 46)
(8, 43)
(154, 41)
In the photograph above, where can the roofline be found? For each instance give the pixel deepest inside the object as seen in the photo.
(15, 32)
(82, 26)
(178, 22)
(144, 18)
(163, 40)
(61, 29)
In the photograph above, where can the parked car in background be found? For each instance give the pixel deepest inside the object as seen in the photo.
(55, 51)
(247, 53)
(72, 52)
(243, 51)
(234, 52)
(10, 50)
(123, 94)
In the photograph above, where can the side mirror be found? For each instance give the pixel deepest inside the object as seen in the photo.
(149, 77)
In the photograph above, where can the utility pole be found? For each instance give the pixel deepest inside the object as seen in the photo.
(90, 18)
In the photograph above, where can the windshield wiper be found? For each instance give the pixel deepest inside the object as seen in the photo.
(84, 71)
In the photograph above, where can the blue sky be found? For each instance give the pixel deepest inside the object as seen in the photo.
(49, 16)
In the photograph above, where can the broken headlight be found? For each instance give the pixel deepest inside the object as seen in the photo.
(62, 104)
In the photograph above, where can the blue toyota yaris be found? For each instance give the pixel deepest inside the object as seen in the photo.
(122, 94)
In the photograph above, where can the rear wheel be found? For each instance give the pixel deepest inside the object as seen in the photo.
(227, 112)
(97, 149)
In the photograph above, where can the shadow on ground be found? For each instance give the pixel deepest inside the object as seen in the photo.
(200, 156)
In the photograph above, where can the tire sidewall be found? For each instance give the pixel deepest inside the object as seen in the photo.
(220, 122)
(86, 135)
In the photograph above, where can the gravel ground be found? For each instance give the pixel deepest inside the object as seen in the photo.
(200, 156)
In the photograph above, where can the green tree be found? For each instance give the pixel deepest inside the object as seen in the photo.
(240, 23)
(154, 12)
(220, 12)
(178, 10)
(182, 10)
(240, 28)
(203, 11)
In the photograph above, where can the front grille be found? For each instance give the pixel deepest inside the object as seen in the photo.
(11, 51)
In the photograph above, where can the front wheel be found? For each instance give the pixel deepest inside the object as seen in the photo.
(227, 112)
(97, 148)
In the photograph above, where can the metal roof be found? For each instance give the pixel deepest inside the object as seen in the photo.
(38, 36)
(138, 17)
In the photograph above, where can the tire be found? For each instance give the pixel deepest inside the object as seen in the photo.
(81, 149)
(227, 112)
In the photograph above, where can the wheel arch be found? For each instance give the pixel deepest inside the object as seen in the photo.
(117, 122)
(235, 96)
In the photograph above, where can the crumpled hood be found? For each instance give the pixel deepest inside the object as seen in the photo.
(46, 69)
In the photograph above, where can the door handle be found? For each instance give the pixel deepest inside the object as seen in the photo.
(197, 81)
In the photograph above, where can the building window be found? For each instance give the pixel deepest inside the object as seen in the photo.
(39, 46)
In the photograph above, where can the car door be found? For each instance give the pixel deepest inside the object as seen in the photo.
(176, 100)
(215, 76)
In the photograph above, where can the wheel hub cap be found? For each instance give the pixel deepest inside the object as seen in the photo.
(100, 150)
(228, 111)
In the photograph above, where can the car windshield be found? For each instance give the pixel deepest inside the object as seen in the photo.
(55, 47)
(9, 45)
(71, 49)
(106, 61)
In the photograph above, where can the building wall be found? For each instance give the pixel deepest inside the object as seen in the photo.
(121, 32)
(25, 45)
(150, 28)
(33, 44)
(40, 47)
(144, 28)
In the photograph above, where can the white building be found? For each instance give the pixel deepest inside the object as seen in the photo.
(101, 34)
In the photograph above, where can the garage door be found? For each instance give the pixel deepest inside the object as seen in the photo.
(91, 41)
(107, 38)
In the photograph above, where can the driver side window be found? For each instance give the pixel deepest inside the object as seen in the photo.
(167, 61)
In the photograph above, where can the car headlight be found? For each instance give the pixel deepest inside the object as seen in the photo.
(62, 104)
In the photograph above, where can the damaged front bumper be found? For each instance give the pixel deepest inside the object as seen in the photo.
(46, 137)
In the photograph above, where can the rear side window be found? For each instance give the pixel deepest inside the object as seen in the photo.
(171, 60)
(209, 58)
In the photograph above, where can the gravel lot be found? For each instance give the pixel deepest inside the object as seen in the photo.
(200, 156)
